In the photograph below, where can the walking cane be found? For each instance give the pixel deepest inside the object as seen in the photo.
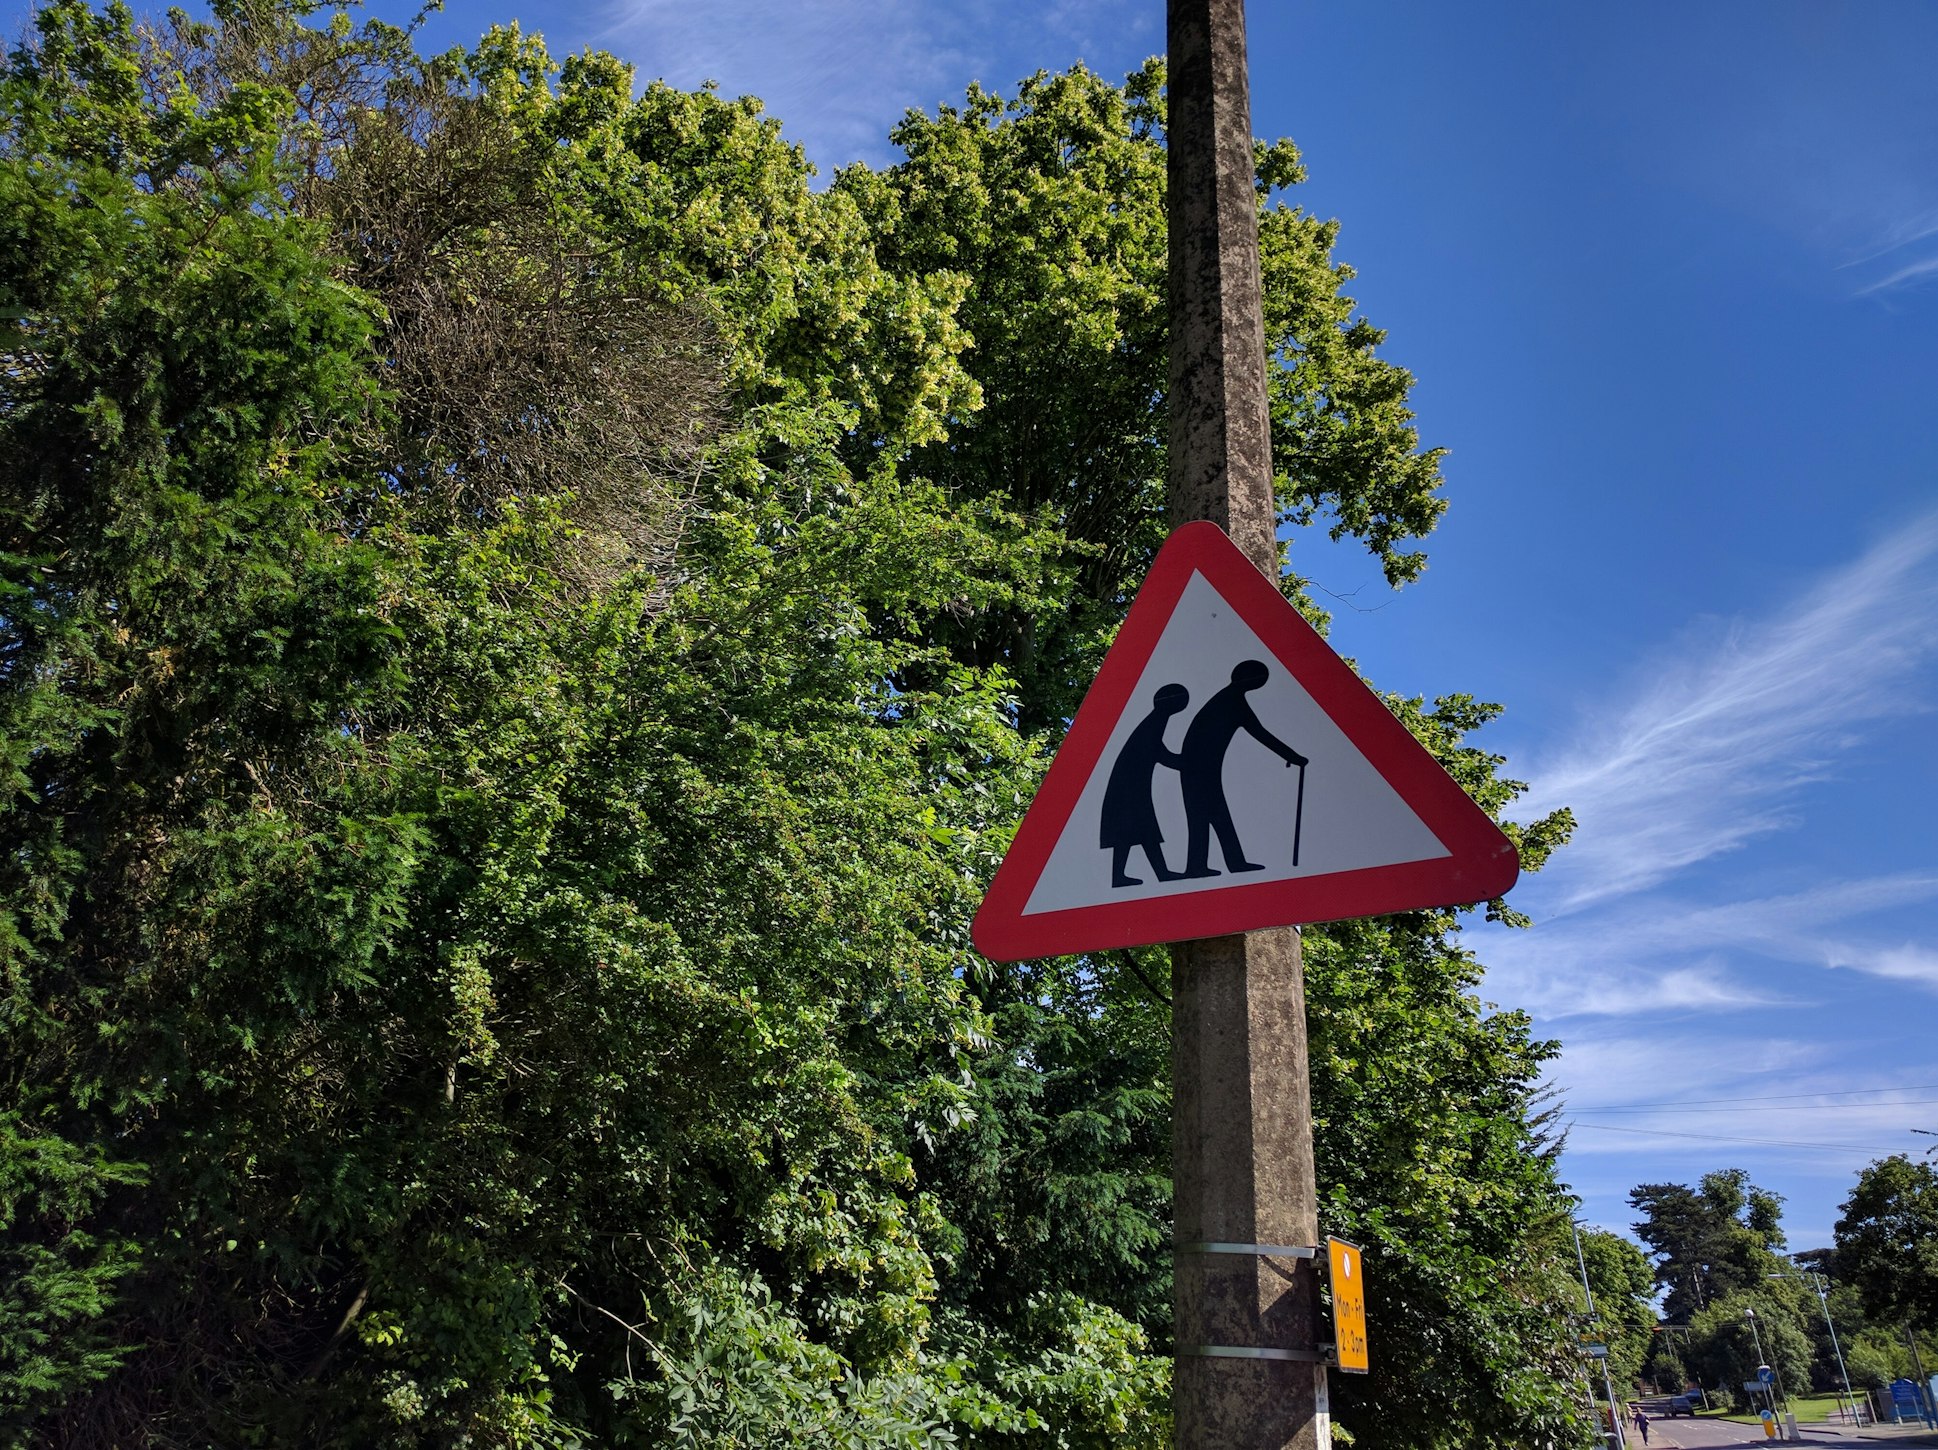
(1298, 816)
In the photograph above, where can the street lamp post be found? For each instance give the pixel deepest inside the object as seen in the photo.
(1618, 1437)
(1762, 1360)
(1821, 1284)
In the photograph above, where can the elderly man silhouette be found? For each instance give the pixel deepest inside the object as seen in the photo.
(1202, 771)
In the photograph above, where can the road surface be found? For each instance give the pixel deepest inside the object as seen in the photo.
(1686, 1434)
(1711, 1434)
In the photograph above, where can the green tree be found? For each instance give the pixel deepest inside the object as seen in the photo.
(1841, 1306)
(1875, 1357)
(1887, 1240)
(1845, 1308)
(1719, 1238)
(1049, 207)
(1665, 1368)
(465, 940)
(1722, 1344)
(1432, 1153)
(1624, 1288)
(181, 635)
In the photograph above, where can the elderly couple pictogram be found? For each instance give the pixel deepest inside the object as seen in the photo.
(1129, 818)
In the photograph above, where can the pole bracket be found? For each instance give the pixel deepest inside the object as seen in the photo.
(1262, 1251)
(1321, 1355)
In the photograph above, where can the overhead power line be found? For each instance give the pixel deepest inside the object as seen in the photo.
(1791, 1108)
(1727, 1138)
(1916, 1087)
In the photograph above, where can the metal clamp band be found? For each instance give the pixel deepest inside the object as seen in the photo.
(1266, 1251)
(1243, 1351)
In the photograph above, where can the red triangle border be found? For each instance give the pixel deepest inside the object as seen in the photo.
(1481, 864)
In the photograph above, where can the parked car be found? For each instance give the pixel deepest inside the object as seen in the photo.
(1669, 1406)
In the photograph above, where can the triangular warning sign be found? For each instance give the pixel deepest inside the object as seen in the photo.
(1227, 772)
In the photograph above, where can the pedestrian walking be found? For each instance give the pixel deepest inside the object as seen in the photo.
(1642, 1424)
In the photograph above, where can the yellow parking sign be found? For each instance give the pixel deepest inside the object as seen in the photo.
(1348, 1306)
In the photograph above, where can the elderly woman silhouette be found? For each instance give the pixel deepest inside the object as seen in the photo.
(1129, 817)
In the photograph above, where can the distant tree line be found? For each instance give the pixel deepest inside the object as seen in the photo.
(1681, 1315)
(524, 627)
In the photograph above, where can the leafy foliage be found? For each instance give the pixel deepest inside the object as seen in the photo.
(1050, 207)
(1619, 1274)
(1709, 1241)
(1725, 1350)
(1719, 1241)
(59, 1278)
(1887, 1240)
(1430, 1155)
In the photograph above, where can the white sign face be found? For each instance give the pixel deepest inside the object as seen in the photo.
(1231, 742)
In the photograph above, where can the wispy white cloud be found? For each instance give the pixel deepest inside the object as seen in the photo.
(1910, 272)
(1827, 1121)
(1711, 752)
(1654, 956)
(1903, 963)
(1788, 927)
(1819, 1141)
(1563, 985)
(1905, 232)
(1659, 1066)
(1908, 233)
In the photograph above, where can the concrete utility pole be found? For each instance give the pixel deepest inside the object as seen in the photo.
(1249, 1373)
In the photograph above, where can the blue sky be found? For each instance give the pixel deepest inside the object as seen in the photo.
(1668, 278)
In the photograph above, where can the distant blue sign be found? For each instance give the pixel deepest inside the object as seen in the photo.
(1766, 1374)
(1905, 1392)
